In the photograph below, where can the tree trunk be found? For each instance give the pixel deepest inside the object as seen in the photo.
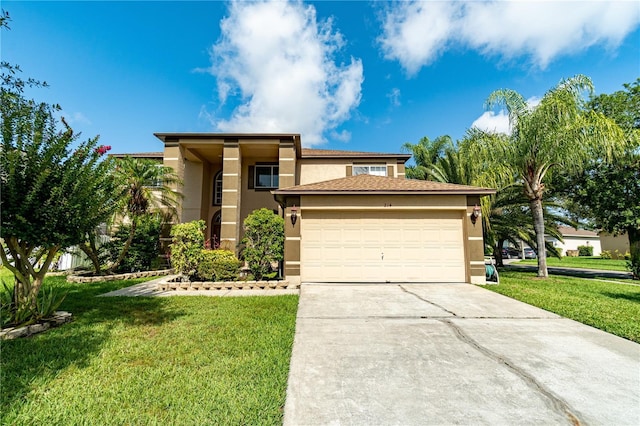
(538, 226)
(497, 253)
(634, 249)
(91, 252)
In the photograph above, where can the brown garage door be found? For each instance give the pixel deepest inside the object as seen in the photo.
(401, 246)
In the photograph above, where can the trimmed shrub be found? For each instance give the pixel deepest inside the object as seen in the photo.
(187, 241)
(585, 250)
(605, 254)
(263, 241)
(144, 249)
(218, 265)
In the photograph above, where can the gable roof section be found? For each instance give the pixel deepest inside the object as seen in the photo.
(568, 231)
(332, 153)
(369, 184)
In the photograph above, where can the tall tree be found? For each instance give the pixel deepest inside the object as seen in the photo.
(51, 193)
(144, 187)
(557, 133)
(426, 154)
(609, 193)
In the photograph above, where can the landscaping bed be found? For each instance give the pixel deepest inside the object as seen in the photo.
(88, 278)
(177, 284)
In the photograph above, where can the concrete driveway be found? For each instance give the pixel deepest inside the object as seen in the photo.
(419, 354)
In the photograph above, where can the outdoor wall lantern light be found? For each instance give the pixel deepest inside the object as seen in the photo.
(475, 214)
(294, 215)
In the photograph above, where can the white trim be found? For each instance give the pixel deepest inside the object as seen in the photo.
(229, 190)
(292, 238)
(475, 239)
(476, 262)
(230, 159)
(287, 174)
(228, 223)
(170, 158)
(292, 262)
(229, 174)
(286, 159)
(229, 207)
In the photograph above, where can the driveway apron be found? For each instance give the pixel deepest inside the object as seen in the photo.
(441, 354)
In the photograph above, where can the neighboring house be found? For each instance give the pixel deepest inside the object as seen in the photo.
(619, 243)
(573, 238)
(349, 216)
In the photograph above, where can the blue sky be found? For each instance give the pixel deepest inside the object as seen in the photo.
(355, 75)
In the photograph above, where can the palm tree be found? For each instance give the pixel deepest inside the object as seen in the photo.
(558, 132)
(426, 153)
(145, 187)
(505, 215)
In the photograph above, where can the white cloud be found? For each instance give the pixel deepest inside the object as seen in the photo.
(75, 118)
(416, 32)
(394, 97)
(493, 122)
(498, 122)
(280, 61)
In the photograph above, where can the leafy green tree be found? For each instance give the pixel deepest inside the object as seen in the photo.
(557, 133)
(144, 187)
(52, 194)
(426, 154)
(263, 241)
(609, 193)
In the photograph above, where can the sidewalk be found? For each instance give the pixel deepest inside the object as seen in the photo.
(573, 272)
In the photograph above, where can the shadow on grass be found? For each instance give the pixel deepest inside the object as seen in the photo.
(27, 363)
(627, 296)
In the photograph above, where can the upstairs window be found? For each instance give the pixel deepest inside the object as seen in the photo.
(265, 176)
(369, 170)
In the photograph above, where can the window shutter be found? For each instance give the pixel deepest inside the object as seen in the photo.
(349, 170)
(252, 173)
(390, 171)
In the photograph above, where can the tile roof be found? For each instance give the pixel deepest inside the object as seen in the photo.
(332, 153)
(567, 231)
(382, 184)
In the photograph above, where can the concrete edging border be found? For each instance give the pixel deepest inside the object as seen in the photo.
(173, 284)
(115, 277)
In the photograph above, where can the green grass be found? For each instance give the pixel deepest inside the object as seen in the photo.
(175, 360)
(587, 262)
(614, 308)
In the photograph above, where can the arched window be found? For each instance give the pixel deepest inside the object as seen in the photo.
(217, 190)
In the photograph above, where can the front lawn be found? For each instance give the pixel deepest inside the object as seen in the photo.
(586, 262)
(614, 308)
(169, 360)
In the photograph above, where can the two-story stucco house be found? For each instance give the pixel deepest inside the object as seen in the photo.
(349, 216)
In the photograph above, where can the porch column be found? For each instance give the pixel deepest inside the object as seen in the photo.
(231, 190)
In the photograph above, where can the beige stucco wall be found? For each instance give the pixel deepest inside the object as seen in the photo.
(611, 243)
(381, 202)
(321, 169)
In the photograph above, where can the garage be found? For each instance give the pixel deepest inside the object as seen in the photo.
(396, 246)
(377, 229)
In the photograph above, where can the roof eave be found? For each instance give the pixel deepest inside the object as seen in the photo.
(481, 193)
